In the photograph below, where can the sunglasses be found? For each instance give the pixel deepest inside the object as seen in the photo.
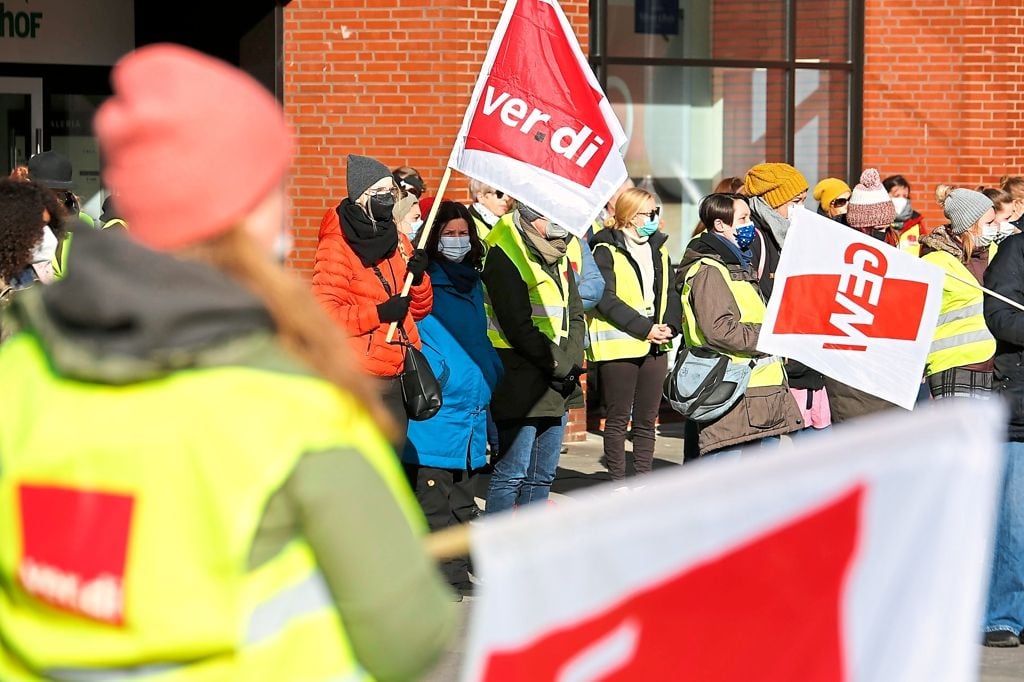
(652, 214)
(496, 192)
(839, 203)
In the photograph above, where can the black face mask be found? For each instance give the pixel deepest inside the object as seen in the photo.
(382, 207)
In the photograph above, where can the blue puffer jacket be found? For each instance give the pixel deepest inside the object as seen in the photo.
(455, 344)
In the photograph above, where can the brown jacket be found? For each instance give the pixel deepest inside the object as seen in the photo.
(763, 411)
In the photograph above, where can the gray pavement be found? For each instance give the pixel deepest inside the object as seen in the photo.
(579, 469)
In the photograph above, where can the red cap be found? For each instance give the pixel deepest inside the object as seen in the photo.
(191, 144)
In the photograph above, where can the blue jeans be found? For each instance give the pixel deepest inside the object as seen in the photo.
(1006, 592)
(529, 458)
(750, 448)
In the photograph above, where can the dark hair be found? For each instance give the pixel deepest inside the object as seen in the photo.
(408, 178)
(22, 203)
(730, 185)
(446, 212)
(718, 206)
(895, 181)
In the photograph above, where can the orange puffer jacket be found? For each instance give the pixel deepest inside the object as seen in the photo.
(350, 294)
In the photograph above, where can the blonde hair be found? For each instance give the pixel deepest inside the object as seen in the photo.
(627, 206)
(303, 328)
(1013, 185)
(942, 193)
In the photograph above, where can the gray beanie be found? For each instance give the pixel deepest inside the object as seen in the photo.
(964, 208)
(362, 172)
(528, 213)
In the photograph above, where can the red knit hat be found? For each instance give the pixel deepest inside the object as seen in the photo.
(190, 143)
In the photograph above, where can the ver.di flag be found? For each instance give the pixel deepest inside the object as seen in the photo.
(854, 308)
(861, 556)
(538, 126)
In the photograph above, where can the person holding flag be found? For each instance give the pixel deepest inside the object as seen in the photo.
(960, 362)
(536, 323)
(722, 310)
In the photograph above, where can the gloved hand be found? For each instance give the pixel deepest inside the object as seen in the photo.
(394, 309)
(567, 384)
(417, 265)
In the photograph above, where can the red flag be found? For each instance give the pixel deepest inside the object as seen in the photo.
(539, 127)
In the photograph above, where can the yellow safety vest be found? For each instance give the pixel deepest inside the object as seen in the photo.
(125, 545)
(910, 240)
(482, 228)
(768, 371)
(115, 222)
(961, 335)
(549, 299)
(608, 342)
(574, 252)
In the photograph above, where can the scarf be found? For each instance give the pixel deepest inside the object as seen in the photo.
(776, 223)
(550, 251)
(371, 242)
(743, 256)
(486, 214)
(463, 276)
(643, 256)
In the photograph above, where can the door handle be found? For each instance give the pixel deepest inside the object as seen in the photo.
(39, 140)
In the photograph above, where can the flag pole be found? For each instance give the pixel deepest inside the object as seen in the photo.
(422, 241)
(991, 293)
(450, 543)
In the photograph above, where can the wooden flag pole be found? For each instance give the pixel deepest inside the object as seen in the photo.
(450, 543)
(991, 293)
(422, 241)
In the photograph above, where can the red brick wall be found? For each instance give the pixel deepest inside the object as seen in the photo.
(391, 81)
(941, 94)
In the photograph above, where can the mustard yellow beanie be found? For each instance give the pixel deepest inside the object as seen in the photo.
(776, 183)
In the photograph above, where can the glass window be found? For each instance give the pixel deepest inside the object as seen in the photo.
(689, 127)
(822, 124)
(822, 30)
(69, 125)
(697, 29)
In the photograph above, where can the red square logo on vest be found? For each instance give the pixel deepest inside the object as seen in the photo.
(74, 549)
(860, 303)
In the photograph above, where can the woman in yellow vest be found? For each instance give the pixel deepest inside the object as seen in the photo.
(959, 364)
(194, 482)
(632, 327)
(723, 310)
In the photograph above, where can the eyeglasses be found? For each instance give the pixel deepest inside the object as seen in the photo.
(652, 214)
(393, 191)
(839, 203)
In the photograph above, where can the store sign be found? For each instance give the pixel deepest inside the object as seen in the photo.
(61, 32)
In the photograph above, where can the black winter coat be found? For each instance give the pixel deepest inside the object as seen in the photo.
(1005, 275)
(533, 361)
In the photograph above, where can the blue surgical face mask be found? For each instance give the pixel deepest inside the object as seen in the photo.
(648, 228)
(414, 229)
(745, 235)
(454, 248)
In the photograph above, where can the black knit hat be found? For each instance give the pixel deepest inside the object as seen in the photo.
(51, 169)
(361, 173)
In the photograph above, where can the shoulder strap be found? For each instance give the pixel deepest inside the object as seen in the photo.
(764, 251)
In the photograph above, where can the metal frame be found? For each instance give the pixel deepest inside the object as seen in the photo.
(854, 66)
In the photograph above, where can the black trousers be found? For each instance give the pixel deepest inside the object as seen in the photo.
(391, 395)
(446, 497)
(632, 390)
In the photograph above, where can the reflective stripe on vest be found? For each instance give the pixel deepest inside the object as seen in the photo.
(608, 342)
(182, 592)
(910, 240)
(549, 300)
(961, 335)
(768, 371)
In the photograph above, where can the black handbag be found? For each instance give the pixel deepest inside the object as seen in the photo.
(421, 391)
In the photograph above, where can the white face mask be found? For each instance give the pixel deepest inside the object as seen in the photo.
(900, 203)
(988, 234)
(1007, 228)
(454, 248)
(47, 247)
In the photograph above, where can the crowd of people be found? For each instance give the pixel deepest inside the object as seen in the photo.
(270, 434)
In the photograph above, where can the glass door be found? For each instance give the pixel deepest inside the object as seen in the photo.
(21, 120)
